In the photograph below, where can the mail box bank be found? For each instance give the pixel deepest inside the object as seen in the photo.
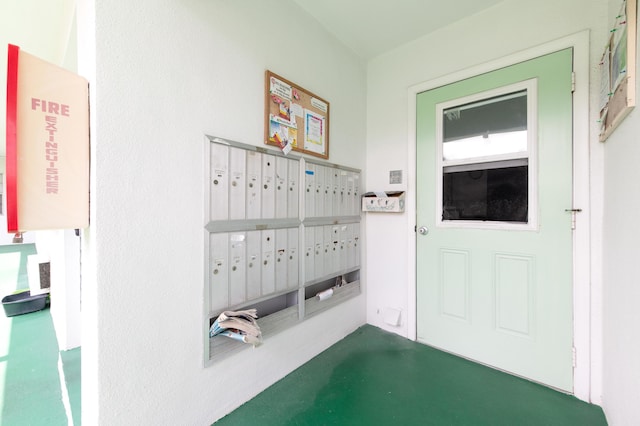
(383, 202)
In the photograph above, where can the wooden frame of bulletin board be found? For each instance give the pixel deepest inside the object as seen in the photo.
(618, 71)
(295, 119)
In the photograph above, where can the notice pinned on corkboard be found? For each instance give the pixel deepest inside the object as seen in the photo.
(295, 119)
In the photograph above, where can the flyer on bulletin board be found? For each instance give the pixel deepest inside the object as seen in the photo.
(285, 135)
(314, 134)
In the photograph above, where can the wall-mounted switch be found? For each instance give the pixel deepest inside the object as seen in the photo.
(395, 177)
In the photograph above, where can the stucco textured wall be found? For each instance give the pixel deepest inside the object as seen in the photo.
(166, 73)
(621, 289)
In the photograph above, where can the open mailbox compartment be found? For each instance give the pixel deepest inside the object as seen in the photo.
(328, 293)
(276, 313)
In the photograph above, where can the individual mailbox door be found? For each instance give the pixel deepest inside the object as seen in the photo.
(319, 192)
(343, 248)
(348, 208)
(309, 254)
(282, 171)
(356, 202)
(268, 186)
(253, 265)
(335, 247)
(319, 252)
(293, 205)
(343, 192)
(219, 182)
(237, 272)
(254, 192)
(268, 261)
(309, 191)
(238, 185)
(219, 272)
(356, 243)
(293, 257)
(350, 247)
(335, 177)
(329, 264)
(327, 203)
(281, 258)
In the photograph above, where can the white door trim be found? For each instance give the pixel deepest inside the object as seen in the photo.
(583, 387)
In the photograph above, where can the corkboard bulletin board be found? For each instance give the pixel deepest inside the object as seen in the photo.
(618, 71)
(295, 119)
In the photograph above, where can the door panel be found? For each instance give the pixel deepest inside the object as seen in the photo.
(454, 286)
(500, 293)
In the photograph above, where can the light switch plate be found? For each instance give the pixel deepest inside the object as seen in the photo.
(395, 177)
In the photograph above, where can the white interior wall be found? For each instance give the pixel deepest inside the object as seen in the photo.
(62, 248)
(488, 36)
(621, 346)
(165, 73)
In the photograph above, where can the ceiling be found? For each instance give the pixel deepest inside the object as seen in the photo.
(372, 27)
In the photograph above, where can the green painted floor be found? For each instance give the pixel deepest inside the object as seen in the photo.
(30, 380)
(377, 378)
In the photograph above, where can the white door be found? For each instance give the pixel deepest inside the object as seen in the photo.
(494, 253)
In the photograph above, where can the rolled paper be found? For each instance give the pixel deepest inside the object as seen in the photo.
(324, 295)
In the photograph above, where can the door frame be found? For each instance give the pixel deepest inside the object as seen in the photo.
(584, 335)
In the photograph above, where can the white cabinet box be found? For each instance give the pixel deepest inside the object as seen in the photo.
(383, 202)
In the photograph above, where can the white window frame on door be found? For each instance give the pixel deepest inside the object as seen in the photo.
(531, 87)
(587, 282)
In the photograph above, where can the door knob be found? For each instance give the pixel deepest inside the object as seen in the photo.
(423, 230)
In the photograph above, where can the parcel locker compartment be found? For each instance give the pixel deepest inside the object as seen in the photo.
(278, 313)
(331, 292)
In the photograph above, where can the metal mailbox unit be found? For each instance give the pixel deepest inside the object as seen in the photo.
(279, 231)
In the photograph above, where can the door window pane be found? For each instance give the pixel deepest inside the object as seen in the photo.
(489, 127)
(485, 147)
(486, 194)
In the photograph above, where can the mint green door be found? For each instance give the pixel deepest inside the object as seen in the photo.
(494, 247)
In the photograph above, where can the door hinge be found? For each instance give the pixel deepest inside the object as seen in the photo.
(573, 82)
(573, 217)
(573, 357)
